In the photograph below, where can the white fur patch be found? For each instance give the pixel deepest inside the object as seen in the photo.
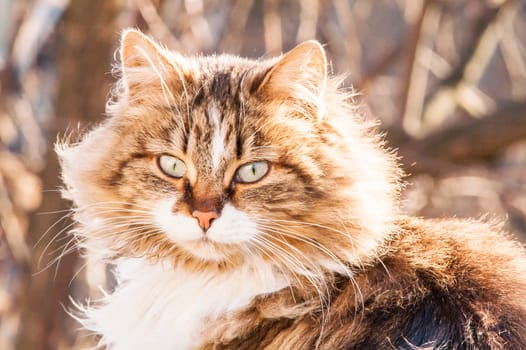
(218, 138)
(233, 226)
(165, 308)
(177, 227)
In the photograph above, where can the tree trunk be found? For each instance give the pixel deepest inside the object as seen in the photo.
(86, 35)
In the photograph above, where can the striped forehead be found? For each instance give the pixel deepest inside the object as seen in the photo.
(213, 140)
(215, 117)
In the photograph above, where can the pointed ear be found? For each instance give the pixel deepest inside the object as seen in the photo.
(304, 67)
(144, 62)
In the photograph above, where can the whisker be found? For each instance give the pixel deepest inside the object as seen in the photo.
(312, 224)
(51, 241)
(317, 280)
(277, 264)
(77, 273)
(51, 227)
(53, 212)
(314, 279)
(311, 242)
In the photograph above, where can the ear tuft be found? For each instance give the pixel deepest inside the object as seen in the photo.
(143, 61)
(137, 50)
(133, 40)
(305, 66)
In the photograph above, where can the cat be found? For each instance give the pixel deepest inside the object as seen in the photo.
(246, 204)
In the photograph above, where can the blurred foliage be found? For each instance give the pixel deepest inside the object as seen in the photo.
(447, 79)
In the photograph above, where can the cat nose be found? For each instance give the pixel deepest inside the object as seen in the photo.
(205, 218)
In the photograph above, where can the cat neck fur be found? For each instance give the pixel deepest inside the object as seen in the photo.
(157, 306)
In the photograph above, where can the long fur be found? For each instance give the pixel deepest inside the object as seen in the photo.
(313, 255)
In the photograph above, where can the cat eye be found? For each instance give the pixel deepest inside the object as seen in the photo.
(252, 172)
(172, 166)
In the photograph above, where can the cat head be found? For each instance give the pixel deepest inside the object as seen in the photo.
(219, 161)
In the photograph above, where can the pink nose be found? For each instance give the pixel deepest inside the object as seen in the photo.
(205, 218)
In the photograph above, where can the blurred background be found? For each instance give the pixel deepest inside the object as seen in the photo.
(446, 78)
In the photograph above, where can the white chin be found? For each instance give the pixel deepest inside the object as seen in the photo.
(203, 249)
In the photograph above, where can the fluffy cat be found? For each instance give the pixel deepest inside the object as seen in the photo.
(246, 205)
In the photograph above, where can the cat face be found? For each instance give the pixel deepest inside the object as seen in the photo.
(220, 160)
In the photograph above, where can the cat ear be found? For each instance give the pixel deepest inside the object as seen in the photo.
(303, 67)
(144, 62)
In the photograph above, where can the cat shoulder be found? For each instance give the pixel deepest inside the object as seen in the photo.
(458, 284)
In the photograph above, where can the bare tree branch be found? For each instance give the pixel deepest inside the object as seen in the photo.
(467, 142)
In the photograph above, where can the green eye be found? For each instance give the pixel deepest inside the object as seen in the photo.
(252, 172)
(172, 166)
